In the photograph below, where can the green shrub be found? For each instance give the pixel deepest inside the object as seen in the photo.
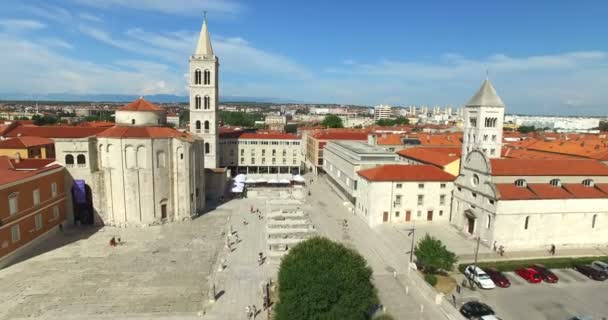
(385, 316)
(430, 279)
(551, 263)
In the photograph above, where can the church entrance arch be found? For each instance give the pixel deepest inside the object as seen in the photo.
(82, 202)
(163, 209)
(470, 221)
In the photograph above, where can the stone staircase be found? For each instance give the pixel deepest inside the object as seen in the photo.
(286, 227)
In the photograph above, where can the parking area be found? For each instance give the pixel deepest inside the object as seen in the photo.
(574, 294)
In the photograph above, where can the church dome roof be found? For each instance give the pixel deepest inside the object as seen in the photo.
(486, 96)
(140, 104)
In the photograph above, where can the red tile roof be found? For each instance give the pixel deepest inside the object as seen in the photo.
(143, 132)
(97, 124)
(389, 139)
(554, 167)
(140, 104)
(24, 142)
(397, 172)
(509, 191)
(340, 134)
(31, 163)
(548, 191)
(438, 156)
(11, 172)
(54, 131)
(579, 190)
(532, 154)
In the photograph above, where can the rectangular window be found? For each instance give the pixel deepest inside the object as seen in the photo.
(420, 199)
(284, 161)
(441, 213)
(252, 160)
(442, 186)
(15, 233)
(55, 212)
(419, 214)
(274, 152)
(421, 186)
(489, 222)
(274, 161)
(242, 152)
(54, 189)
(442, 200)
(242, 160)
(295, 161)
(13, 201)
(398, 185)
(38, 221)
(494, 138)
(397, 214)
(263, 160)
(36, 196)
(397, 200)
(263, 152)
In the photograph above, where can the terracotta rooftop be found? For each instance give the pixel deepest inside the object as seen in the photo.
(24, 142)
(397, 172)
(54, 131)
(553, 167)
(143, 132)
(438, 156)
(140, 104)
(259, 135)
(12, 172)
(537, 191)
(97, 124)
(533, 155)
(389, 139)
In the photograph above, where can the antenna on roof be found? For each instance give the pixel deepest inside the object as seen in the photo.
(205, 15)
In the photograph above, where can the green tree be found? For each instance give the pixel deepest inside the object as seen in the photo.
(291, 128)
(43, 120)
(432, 254)
(603, 126)
(526, 129)
(332, 121)
(241, 119)
(392, 122)
(322, 279)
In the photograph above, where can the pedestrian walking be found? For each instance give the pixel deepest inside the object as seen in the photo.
(458, 288)
(494, 246)
(552, 250)
(248, 312)
(236, 238)
(501, 250)
(464, 283)
(113, 242)
(254, 310)
(260, 258)
(454, 299)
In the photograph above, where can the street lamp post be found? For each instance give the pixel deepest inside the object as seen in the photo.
(412, 233)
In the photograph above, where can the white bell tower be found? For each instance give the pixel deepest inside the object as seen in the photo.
(484, 115)
(203, 83)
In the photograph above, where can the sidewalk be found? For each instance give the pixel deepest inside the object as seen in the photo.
(537, 254)
(398, 295)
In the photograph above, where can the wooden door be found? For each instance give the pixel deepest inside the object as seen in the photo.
(163, 211)
(385, 216)
(408, 216)
(429, 215)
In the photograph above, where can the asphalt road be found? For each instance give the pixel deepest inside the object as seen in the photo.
(574, 294)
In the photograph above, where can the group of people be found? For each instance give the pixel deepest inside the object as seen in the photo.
(251, 311)
(500, 250)
(114, 242)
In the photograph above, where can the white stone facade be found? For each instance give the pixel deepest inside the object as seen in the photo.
(400, 202)
(483, 118)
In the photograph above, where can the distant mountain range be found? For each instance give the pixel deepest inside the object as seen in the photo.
(158, 98)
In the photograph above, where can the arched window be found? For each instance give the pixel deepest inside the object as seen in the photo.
(489, 221)
(141, 157)
(207, 147)
(207, 102)
(588, 183)
(81, 160)
(526, 223)
(132, 121)
(521, 183)
(206, 126)
(593, 221)
(556, 182)
(69, 160)
(198, 126)
(197, 102)
(207, 77)
(197, 76)
(130, 157)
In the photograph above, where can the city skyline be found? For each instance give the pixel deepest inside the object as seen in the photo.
(323, 54)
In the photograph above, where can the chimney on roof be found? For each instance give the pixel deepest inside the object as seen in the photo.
(428, 137)
(17, 157)
(18, 134)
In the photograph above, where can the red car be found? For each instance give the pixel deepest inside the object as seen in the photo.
(498, 277)
(529, 274)
(545, 273)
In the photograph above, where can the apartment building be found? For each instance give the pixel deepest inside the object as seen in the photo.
(33, 202)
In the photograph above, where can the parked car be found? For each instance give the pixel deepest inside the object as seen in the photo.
(490, 317)
(591, 272)
(479, 277)
(601, 265)
(545, 273)
(475, 310)
(531, 275)
(498, 277)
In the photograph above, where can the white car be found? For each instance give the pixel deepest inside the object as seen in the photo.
(479, 277)
(490, 317)
(600, 265)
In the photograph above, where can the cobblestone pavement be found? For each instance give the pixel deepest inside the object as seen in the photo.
(158, 272)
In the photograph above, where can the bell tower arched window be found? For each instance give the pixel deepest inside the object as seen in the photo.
(207, 147)
(207, 102)
(198, 126)
(207, 77)
(69, 160)
(197, 76)
(206, 126)
(197, 102)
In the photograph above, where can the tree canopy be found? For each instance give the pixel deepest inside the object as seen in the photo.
(526, 129)
(44, 120)
(332, 121)
(432, 254)
(392, 122)
(240, 119)
(322, 279)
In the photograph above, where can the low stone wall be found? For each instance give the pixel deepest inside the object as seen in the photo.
(441, 302)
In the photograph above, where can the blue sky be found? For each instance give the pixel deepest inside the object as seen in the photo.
(544, 57)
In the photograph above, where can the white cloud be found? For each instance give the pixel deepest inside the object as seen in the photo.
(13, 25)
(89, 17)
(56, 43)
(176, 7)
(52, 13)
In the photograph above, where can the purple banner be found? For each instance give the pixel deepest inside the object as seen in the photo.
(79, 192)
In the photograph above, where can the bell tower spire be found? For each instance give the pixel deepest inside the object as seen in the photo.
(204, 93)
